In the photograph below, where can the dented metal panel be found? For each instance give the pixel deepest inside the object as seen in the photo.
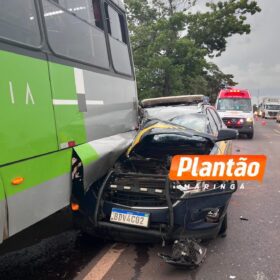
(174, 132)
(100, 155)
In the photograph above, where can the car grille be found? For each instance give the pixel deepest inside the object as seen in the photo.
(142, 192)
(136, 199)
(272, 114)
(234, 122)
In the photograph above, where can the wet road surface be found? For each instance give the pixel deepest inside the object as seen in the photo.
(251, 249)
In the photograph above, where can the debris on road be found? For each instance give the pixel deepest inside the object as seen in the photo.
(185, 253)
(243, 218)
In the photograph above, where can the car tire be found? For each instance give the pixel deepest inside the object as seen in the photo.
(250, 135)
(223, 228)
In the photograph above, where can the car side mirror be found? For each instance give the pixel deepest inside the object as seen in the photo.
(227, 134)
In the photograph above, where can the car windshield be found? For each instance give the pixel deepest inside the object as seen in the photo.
(166, 113)
(234, 104)
(193, 121)
(273, 107)
(187, 116)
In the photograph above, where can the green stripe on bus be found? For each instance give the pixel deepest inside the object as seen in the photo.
(36, 171)
(70, 122)
(87, 153)
(27, 118)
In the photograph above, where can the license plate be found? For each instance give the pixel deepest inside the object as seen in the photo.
(129, 217)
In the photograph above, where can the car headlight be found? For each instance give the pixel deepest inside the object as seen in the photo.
(249, 119)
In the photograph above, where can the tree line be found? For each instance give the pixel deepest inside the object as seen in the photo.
(174, 41)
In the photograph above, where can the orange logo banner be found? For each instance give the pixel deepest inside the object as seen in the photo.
(218, 167)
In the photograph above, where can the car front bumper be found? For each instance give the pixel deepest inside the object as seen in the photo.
(247, 128)
(188, 216)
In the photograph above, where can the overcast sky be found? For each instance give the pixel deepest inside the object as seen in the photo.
(254, 59)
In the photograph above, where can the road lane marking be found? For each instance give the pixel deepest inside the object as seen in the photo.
(277, 131)
(105, 263)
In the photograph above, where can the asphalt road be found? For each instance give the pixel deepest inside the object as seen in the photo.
(251, 250)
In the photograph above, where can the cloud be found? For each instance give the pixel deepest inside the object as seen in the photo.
(255, 75)
(254, 59)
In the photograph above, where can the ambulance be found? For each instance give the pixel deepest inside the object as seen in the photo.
(235, 109)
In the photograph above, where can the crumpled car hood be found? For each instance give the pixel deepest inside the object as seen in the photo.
(167, 132)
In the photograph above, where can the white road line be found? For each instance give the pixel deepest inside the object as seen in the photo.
(64, 102)
(104, 264)
(277, 131)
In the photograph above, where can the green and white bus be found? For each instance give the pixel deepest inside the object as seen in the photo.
(68, 101)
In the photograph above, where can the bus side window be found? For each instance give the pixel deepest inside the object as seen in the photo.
(18, 22)
(83, 9)
(118, 40)
(97, 14)
(73, 33)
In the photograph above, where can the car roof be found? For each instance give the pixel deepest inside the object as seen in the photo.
(173, 100)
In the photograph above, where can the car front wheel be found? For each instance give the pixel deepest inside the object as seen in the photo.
(223, 228)
(250, 135)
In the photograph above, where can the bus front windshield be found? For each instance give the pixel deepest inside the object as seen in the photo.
(234, 104)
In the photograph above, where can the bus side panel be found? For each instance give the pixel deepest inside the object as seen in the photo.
(27, 126)
(111, 105)
(89, 105)
(3, 212)
(69, 120)
(46, 188)
(99, 156)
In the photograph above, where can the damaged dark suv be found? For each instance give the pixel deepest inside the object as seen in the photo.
(136, 201)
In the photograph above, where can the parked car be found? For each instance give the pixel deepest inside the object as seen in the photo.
(136, 201)
(278, 117)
